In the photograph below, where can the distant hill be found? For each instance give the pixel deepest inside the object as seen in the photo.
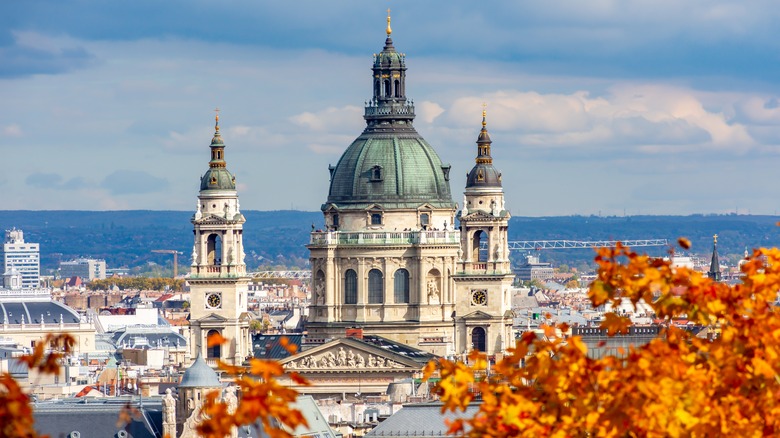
(126, 238)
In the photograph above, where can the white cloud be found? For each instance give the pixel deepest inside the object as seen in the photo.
(12, 130)
(643, 118)
(330, 119)
(428, 111)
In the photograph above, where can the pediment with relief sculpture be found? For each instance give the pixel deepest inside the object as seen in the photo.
(348, 355)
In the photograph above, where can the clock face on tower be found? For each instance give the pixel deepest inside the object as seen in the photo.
(479, 297)
(213, 300)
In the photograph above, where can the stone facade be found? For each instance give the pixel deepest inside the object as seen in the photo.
(390, 259)
(218, 281)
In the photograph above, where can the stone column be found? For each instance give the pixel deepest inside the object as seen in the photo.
(169, 414)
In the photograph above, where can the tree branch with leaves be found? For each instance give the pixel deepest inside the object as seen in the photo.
(678, 384)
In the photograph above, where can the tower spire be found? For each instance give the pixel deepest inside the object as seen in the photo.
(714, 272)
(216, 125)
(483, 141)
(388, 30)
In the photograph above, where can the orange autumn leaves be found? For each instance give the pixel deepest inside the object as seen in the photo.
(15, 409)
(679, 384)
(263, 398)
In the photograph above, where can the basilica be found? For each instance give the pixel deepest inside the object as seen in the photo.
(392, 260)
(396, 259)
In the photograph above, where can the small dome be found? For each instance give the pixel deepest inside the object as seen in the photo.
(483, 175)
(388, 57)
(200, 375)
(217, 178)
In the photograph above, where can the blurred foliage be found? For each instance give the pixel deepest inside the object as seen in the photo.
(678, 385)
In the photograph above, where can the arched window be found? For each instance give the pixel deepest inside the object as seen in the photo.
(376, 219)
(376, 173)
(401, 286)
(478, 338)
(375, 287)
(214, 249)
(387, 89)
(478, 254)
(397, 88)
(350, 287)
(214, 352)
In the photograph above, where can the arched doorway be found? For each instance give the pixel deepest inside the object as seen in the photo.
(214, 352)
(478, 338)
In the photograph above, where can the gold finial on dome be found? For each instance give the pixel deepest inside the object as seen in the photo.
(484, 114)
(389, 30)
(216, 126)
(715, 239)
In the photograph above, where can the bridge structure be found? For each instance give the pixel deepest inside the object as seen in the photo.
(521, 245)
(291, 275)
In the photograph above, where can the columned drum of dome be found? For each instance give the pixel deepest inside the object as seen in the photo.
(385, 257)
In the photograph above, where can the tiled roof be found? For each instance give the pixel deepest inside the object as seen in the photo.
(269, 347)
(420, 420)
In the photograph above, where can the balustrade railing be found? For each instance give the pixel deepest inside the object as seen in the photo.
(384, 238)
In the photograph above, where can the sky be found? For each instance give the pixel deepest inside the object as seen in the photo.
(595, 107)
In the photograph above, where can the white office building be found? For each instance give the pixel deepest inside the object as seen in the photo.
(86, 269)
(22, 256)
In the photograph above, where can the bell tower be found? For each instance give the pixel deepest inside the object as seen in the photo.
(483, 318)
(218, 280)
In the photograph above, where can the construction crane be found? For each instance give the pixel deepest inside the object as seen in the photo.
(175, 258)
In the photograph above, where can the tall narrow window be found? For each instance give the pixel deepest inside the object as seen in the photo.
(375, 287)
(401, 286)
(350, 287)
(214, 352)
(479, 254)
(425, 220)
(387, 89)
(397, 88)
(335, 221)
(214, 249)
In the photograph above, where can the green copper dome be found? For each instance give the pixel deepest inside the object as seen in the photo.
(217, 177)
(390, 164)
(394, 170)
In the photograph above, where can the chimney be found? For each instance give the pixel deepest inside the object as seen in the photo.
(355, 332)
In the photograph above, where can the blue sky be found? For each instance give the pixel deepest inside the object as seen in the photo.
(597, 107)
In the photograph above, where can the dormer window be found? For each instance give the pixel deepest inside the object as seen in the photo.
(213, 180)
(376, 218)
(446, 169)
(376, 173)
